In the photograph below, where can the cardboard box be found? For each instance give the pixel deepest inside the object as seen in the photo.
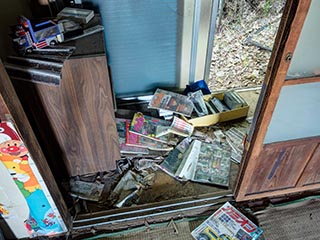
(212, 119)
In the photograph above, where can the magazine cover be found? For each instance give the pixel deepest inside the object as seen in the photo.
(133, 139)
(146, 126)
(227, 223)
(213, 164)
(171, 101)
(172, 162)
(125, 148)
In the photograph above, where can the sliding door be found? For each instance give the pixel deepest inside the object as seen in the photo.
(283, 149)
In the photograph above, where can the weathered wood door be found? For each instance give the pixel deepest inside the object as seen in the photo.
(282, 153)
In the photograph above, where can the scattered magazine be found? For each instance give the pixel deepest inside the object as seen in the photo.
(213, 164)
(125, 148)
(178, 127)
(172, 162)
(227, 223)
(200, 162)
(235, 137)
(147, 126)
(133, 139)
(171, 101)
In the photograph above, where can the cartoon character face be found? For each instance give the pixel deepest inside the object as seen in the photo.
(13, 148)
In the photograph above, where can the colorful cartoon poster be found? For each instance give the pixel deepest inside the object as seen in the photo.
(25, 202)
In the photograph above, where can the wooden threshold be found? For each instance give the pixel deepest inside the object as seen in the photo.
(278, 193)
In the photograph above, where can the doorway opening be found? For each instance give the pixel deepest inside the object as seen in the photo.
(244, 37)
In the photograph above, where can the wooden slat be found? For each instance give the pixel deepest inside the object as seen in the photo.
(297, 81)
(311, 175)
(13, 105)
(294, 142)
(3, 109)
(280, 167)
(282, 192)
(78, 116)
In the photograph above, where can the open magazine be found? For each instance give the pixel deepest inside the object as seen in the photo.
(133, 139)
(148, 127)
(200, 162)
(227, 223)
(122, 132)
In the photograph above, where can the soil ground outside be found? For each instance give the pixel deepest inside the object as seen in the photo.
(246, 30)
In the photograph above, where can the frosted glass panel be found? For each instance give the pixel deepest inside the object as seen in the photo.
(297, 113)
(141, 41)
(305, 61)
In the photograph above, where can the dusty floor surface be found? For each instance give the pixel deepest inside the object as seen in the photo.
(165, 187)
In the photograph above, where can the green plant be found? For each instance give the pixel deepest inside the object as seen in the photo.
(267, 7)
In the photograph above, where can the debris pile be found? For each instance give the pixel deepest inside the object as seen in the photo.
(151, 143)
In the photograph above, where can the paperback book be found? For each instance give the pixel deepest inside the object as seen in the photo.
(213, 165)
(171, 101)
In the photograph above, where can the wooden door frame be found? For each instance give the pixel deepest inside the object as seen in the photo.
(290, 27)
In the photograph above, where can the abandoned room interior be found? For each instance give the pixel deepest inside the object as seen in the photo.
(130, 113)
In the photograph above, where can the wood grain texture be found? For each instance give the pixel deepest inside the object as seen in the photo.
(297, 81)
(3, 109)
(80, 114)
(12, 104)
(280, 167)
(311, 174)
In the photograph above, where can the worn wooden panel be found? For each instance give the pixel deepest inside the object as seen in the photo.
(3, 109)
(279, 166)
(81, 114)
(254, 162)
(11, 103)
(311, 174)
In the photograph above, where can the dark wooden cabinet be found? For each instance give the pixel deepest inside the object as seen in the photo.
(77, 116)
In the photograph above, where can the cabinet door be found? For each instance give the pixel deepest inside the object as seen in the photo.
(75, 120)
(283, 150)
